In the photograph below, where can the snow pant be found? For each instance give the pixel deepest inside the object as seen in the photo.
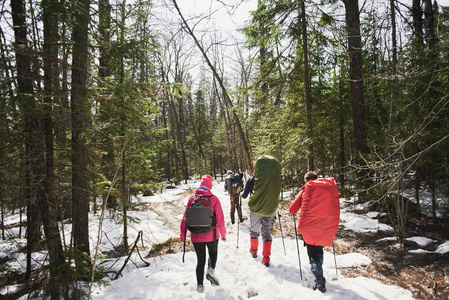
(200, 250)
(315, 254)
(235, 203)
(260, 225)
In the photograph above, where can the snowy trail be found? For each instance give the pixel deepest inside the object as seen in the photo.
(241, 276)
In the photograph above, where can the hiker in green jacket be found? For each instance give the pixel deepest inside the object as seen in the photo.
(265, 187)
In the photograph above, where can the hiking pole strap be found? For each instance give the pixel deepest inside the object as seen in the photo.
(297, 245)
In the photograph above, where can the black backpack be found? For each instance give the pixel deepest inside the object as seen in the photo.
(234, 182)
(237, 178)
(200, 218)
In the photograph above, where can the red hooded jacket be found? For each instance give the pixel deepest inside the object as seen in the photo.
(320, 211)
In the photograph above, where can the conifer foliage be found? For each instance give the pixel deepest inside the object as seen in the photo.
(100, 101)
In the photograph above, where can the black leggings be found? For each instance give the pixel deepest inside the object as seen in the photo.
(200, 250)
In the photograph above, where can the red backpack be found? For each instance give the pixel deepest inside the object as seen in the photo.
(320, 212)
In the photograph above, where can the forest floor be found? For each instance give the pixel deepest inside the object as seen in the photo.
(426, 275)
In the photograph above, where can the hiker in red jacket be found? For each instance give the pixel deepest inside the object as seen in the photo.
(203, 240)
(318, 220)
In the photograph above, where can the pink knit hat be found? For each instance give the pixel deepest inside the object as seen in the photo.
(206, 181)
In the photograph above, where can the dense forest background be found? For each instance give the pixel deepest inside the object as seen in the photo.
(100, 100)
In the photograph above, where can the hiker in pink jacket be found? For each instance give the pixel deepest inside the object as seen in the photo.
(207, 239)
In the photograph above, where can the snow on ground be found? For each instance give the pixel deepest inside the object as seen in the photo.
(426, 202)
(420, 240)
(241, 276)
(443, 248)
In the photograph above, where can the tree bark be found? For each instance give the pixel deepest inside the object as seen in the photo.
(33, 134)
(342, 152)
(417, 21)
(395, 62)
(79, 110)
(307, 95)
(50, 206)
(356, 77)
(223, 88)
(429, 23)
(105, 70)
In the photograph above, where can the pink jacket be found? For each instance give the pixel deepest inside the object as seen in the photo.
(216, 208)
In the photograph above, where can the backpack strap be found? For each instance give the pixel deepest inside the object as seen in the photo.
(204, 199)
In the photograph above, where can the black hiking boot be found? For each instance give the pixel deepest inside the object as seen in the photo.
(320, 286)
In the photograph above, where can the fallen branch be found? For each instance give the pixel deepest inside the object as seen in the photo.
(139, 235)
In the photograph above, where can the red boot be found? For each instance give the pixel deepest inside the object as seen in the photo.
(254, 246)
(266, 253)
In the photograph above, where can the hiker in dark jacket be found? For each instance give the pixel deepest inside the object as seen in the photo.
(265, 187)
(203, 240)
(233, 183)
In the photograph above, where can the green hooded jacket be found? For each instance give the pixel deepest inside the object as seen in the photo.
(267, 186)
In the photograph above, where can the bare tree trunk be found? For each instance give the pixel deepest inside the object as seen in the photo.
(104, 72)
(4, 122)
(395, 62)
(199, 141)
(124, 194)
(175, 134)
(263, 73)
(168, 167)
(356, 80)
(33, 136)
(2, 205)
(307, 96)
(417, 21)
(230, 138)
(429, 22)
(51, 87)
(342, 153)
(181, 136)
(79, 109)
(223, 88)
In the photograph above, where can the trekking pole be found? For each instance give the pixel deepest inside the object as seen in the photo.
(297, 245)
(282, 235)
(238, 223)
(335, 260)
